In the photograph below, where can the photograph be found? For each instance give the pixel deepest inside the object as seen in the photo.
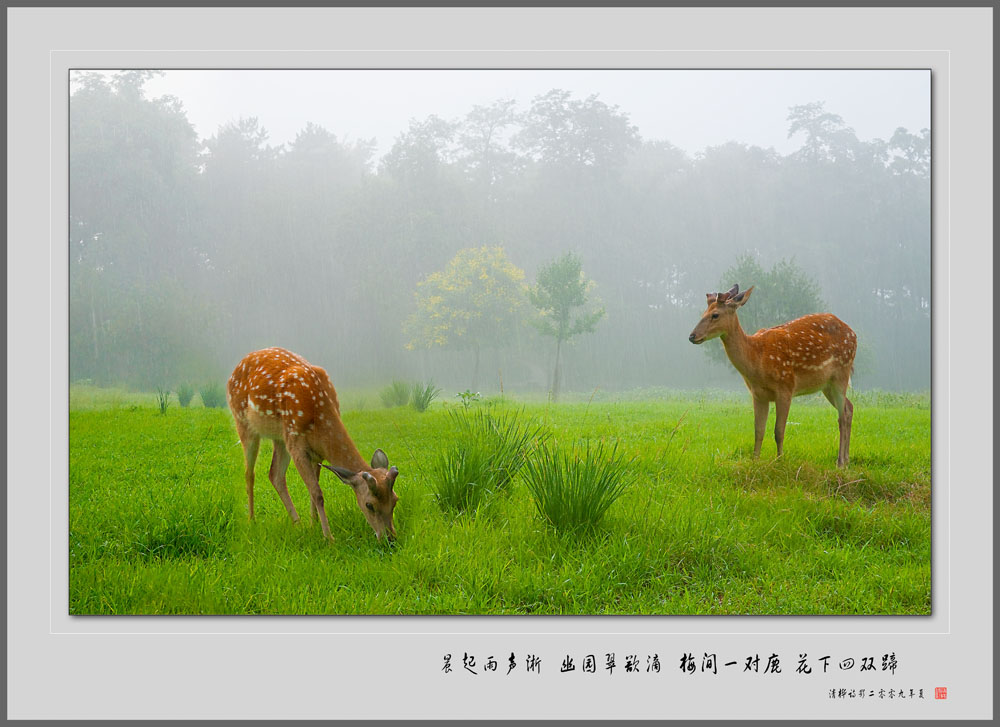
(429, 341)
(542, 363)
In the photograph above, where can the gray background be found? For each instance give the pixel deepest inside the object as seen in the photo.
(328, 667)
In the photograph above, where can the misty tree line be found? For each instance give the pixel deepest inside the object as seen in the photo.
(185, 254)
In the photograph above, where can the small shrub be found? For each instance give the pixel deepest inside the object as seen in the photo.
(185, 392)
(162, 399)
(467, 397)
(395, 394)
(573, 490)
(212, 396)
(423, 394)
(488, 451)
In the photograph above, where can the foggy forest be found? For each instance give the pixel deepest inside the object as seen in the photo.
(186, 253)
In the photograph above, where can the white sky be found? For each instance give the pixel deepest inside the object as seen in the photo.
(690, 109)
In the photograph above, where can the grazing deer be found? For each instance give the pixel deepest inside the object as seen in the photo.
(279, 395)
(809, 354)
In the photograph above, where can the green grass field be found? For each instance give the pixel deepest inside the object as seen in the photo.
(158, 520)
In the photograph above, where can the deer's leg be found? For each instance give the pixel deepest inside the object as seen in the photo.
(279, 466)
(760, 409)
(310, 475)
(844, 420)
(251, 445)
(782, 403)
(312, 505)
(845, 414)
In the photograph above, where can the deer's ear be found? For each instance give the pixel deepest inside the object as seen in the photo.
(345, 475)
(742, 298)
(712, 297)
(380, 460)
(729, 294)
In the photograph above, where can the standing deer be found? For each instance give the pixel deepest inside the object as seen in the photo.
(279, 395)
(810, 354)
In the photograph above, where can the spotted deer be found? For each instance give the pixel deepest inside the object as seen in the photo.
(810, 354)
(276, 394)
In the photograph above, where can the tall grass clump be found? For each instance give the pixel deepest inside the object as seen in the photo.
(162, 400)
(461, 478)
(212, 396)
(573, 490)
(487, 452)
(185, 392)
(395, 394)
(423, 394)
(505, 434)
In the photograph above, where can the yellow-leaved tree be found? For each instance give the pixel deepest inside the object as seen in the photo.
(478, 301)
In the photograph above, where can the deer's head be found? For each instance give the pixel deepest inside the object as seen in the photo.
(720, 316)
(374, 493)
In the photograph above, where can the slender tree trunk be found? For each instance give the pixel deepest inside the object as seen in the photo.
(555, 374)
(93, 326)
(475, 370)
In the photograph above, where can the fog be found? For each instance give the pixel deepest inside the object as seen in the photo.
(394, 224)
(691, 109)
